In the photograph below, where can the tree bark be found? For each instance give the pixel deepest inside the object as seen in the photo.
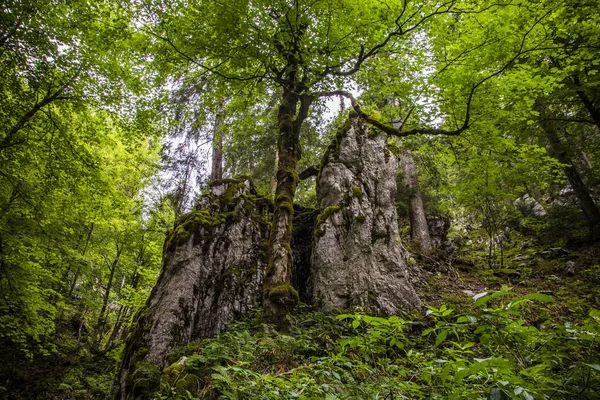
(419, 230)
(216, 171)
(279, 295)
(586, 203)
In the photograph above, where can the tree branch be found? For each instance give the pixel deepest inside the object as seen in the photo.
(194, 61)
(48, 98)
(308, 172)
(436, 131)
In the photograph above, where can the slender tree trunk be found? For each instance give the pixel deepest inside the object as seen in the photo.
(279, 295)
(586, 203)
(587, 102)
(586, 160)
(216, 171)
(274, 177)
(419, 230)
(102, 316)
(87, 241)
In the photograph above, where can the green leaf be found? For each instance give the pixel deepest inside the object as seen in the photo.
(440, 337)
(540, 297)
(594, 366)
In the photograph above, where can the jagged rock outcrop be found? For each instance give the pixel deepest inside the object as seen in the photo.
(213, 269)
(357, 258)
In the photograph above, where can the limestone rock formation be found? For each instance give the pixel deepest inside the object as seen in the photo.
(357, 259)
(213, 268)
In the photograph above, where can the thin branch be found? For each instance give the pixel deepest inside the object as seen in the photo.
(48, 98)
(308, 172)
(194, 61)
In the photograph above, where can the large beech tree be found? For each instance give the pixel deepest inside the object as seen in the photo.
(303, 50)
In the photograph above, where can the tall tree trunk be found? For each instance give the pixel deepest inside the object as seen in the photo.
(274, 177)
(279, 295)
(587, 102)
(419, 230)
(216, 171)
(586, 203)
(102, 316)
(87, 241)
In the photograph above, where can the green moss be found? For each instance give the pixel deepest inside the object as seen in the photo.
(234, 185)
(373, 133)
(249, 202)
(145, 379)
(288, 206)
(392, 148)
(173, 372)
(321, 218)
(291, 172)
(179, 377)
(284, 294)
(360, 218)
(191, 222)
(357, 192)
(387, 154)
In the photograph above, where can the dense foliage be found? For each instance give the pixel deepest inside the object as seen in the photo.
(497, 349)
(79, 246)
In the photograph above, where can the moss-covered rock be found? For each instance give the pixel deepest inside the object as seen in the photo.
(179, 377)
(145, 379)
(322, 218)
(357, 258)
(213, 268)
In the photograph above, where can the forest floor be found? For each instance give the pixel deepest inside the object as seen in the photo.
(530, 270)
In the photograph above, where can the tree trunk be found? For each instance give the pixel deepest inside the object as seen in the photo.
(102, 316)
(87, 241)
(586, 203)
(216, 171)
(419, 230)
(587, 102)
(274, 177)
(279, 295)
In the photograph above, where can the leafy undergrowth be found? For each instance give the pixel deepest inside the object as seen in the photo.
(489, 348)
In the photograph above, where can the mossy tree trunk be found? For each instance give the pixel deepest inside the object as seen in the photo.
(279, 295)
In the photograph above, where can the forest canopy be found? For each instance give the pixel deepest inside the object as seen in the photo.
(116, 116)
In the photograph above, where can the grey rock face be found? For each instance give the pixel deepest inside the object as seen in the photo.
(357, 259)
(213, 268)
